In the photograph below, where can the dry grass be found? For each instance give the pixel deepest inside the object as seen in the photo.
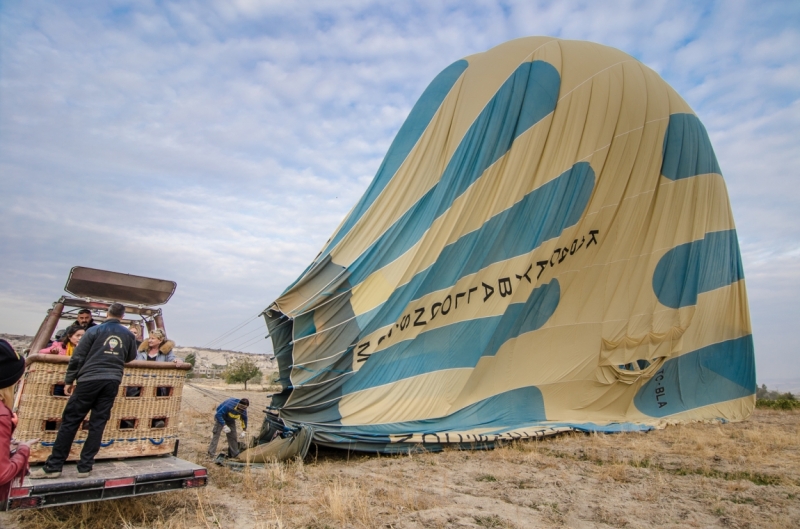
(696, 475)
(168, 511)
(345, 501)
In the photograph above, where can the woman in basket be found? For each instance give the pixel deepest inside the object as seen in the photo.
(157, 349)
(65, 345)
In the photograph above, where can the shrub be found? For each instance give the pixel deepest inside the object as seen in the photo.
(778, 404)
(775, 400)
(241, 370)
(763, 393)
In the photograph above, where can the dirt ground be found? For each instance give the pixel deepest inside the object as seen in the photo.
(698, 475)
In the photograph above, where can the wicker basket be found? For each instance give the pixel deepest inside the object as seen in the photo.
(141, 425)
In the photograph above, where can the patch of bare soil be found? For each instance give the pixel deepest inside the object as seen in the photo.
(697, 475)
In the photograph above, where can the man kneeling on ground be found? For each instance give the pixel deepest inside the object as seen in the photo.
(228, 413)
(92, 381)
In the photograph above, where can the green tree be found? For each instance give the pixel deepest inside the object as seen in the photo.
(190, 359)
(257, 379)
(241, 370)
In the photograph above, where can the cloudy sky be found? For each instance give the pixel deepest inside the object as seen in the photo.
(219, 143)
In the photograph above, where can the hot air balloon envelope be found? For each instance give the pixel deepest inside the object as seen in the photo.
(547, 245)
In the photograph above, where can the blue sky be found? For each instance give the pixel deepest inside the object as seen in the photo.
(219, 143)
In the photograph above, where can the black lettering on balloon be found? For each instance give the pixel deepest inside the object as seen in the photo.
(388, 335)
(362, 356)
(460, 295)
(420, 311)
(542, 264)
(473, 289)
(592, 234)
(434, 311)
(448, 302)
(504, 286)
(488, 291)
(405, 322)
(525, 275)
(559, 254)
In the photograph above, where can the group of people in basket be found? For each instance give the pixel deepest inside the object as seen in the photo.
(156, 348)
(98, 353)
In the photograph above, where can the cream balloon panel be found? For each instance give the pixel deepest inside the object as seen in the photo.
(415, 398)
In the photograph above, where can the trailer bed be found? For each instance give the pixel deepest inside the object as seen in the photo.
(110, 479)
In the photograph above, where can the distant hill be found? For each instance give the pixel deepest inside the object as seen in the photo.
(211, 358)
(19, 342)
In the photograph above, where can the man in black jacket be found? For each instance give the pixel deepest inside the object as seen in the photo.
(84, 320)
(92, 381)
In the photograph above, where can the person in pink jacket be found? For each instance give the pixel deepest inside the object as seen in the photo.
(13, 454)
(65, 345)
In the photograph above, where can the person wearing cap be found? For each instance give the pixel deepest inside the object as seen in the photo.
(57, 338)
(13, 454)
(92, 381)
(228, 413)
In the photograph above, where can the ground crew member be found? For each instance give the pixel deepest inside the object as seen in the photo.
(228, 414)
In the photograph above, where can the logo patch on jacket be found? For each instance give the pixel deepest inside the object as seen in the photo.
(112, 345)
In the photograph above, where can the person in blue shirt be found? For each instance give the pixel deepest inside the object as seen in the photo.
(228, 414)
